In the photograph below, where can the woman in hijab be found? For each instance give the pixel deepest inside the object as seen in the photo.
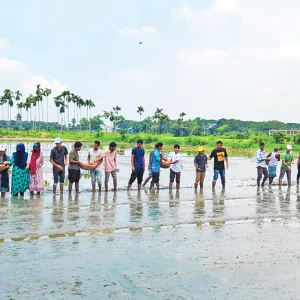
(20, 175)
(35, 163)
(4, 180)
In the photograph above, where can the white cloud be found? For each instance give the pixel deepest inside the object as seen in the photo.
(4, 44)
(226, 5)
(137, 31)
(288, 50)
(29, 85)
(11, 65)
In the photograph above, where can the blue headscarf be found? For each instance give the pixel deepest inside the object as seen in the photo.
(20, 157)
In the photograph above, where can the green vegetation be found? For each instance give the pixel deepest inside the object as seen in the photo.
(236, 146)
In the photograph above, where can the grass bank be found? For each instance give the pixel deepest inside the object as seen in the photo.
(235, 147)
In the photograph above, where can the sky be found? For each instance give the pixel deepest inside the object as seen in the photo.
(208, 58)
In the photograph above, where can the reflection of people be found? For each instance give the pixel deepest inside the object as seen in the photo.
(219, 154)
(175, 170)
(58, 158)
(261, 158)
(287, 159)
(137, 164)
(200, 163)
(20, 175)
(4, 166)
(74, 168)
(35, 163)
(96, 175)
(272, 167)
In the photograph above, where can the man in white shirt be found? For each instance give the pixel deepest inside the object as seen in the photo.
(96, 175)
(175, 168)
(261, 158)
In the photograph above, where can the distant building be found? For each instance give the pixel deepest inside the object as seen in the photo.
(288, 132)
(107, 128)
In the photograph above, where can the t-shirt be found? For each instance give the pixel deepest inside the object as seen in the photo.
(201, 161)
(287, 157)
(139, 154)
(110, 163)
(156, 161)
(219, 157)
(74, 155)
(261, 154)
(176, 167)
(95, 154)
(58, 155)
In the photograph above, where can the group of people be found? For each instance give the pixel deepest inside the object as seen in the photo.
(267, 165)
(27, 168)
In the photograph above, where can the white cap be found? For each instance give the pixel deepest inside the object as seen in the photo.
(289, 147)
(2, 147)
(57, 140)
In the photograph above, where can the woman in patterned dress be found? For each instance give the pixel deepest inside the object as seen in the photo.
(20, 175)
(35, 165)
(4, 178)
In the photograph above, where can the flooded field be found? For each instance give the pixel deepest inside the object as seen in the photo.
(241, 243)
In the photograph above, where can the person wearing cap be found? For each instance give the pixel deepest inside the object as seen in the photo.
(200, 163)
(175, 170)
(59, 159)
(273, 157)
(35, 164)
(287, 160)
(262, 168)
(20, 175)
(219, 154)
(137, 164)
(4, 166)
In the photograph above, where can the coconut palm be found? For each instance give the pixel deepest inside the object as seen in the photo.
(57, 102)
(157, 117)
(165, 120)
(46, 94)
(64, 97)
(28, 104)
(39, 98)
(140, 110)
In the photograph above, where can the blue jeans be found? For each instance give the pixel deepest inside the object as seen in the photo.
(222, 175)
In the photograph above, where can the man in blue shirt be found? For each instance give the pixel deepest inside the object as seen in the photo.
(156, 161)
(137, 164)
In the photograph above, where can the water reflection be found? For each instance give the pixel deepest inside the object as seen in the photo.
(199, 204)
(153, 204)
(174, 199)
(110, 206)
(136, 206)
(73, 207)
(218, 203)
(58, 209)
(284, 200)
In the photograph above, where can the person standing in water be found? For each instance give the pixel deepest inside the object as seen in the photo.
(4, 177)
(273, 157)
(149, 168)
(175, 169)
(35, 163)
(287, 160)
(137, 164)
(298, 165)
(20, 175)
(219, 154)
(261, 158)
(96, 175)
(74, 168)
(59, 159)
(200, 163)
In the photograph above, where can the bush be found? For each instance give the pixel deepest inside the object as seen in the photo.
(297, 138)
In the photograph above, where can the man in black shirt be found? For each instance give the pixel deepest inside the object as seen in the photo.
(219, 154)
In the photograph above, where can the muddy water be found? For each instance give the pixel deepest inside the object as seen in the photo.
(153, 245)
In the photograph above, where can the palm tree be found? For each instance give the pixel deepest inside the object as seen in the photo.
(181, 115)
(140, 111)
(80, 103)
(47, 93)
(165, 120)
(39, 98)
(7, 98)
(19, 118)
(20, 105)
(28, 103)
(112, 120)
(157, 116)
(3, 101)
(57, 104)
(64, 96)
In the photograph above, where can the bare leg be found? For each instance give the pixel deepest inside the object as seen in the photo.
(177, 186)
(280, 181)
(2, 194)
(289, 182)
(31, 193)
(106, 187)
(271, 180)
(170, 185)
(77, 187)
(157, 186)
(196, 185)
(115, 186)
(129, 186)
(93, 188)
(61, 188)
(100, 187)
(139, 187)
(147, 180)
(54, 188)
(70, 187)
(38, 193)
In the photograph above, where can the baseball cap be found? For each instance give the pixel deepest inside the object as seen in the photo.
(2, 147)
(57, 140)
(201, 149)
(37, 145)
(289, 147)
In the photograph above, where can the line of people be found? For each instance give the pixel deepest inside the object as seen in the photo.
(267, 165)
(27, 168)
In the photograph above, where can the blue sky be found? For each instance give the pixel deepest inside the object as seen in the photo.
(212, 59)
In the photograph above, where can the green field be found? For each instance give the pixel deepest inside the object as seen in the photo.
(238, 147)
